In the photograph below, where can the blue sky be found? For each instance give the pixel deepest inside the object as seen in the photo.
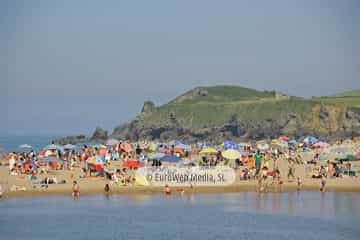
(69, 66)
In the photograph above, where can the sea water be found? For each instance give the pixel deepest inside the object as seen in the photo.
(246, 215)
(12, 143)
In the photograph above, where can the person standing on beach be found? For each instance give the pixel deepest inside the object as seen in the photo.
(323, 184)
(291, 170)
(299, 183)
(258, 159)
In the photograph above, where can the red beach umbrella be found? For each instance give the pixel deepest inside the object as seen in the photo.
(132, 164)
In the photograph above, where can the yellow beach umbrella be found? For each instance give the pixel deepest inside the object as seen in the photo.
(208, 150)
(231, 154)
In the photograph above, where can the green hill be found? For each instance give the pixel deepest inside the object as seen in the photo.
(222, 112)
(355, 93)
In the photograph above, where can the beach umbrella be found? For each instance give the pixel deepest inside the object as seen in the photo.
(321, 144)
(182, 146)
(53, 147)
(352, 157)
(231, 154)
(51, 159)
(244, 153)
(156, 156)
(284, 138)
(231, 145)
(112, 142)
(69, 146)
(25, 146)
(170, 158)
(132, 164)
(310, 140)
(263, 146)
(208, 150)
(186, 163)
(339, 150)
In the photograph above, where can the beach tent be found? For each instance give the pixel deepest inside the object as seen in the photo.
(208, 150)
(231, 145)
(170, 159)
(231, 154)
(25, 146)
(112, 142)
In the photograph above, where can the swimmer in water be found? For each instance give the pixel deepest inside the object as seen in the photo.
(75, 190)
(167, 190)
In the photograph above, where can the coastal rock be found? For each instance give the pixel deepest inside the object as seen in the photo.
(99, 134)
(71, 140)
(148, 107)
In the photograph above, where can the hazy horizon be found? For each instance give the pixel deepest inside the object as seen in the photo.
(69, 66)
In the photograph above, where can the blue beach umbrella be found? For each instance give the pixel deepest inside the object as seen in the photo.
(170, 159)
(156, 156)
(231, 145)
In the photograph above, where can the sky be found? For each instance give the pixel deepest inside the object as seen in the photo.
(68, 66)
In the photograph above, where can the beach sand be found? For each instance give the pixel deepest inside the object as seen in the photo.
(95, 185)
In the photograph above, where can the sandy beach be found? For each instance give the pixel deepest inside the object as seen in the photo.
(95, 185)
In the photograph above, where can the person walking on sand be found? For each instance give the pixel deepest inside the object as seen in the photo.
(299, 183)
(258, 159)
(75, 189)
(291, 170)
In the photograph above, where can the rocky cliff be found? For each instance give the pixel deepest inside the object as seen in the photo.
(230, 112)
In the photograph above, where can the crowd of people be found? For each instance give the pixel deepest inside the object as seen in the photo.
(260, 162)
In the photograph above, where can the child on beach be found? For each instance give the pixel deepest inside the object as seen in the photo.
(75, 190)
(299, 182)
(323, 183)
(107, 188)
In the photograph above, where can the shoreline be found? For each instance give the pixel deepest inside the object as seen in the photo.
(137, 190)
